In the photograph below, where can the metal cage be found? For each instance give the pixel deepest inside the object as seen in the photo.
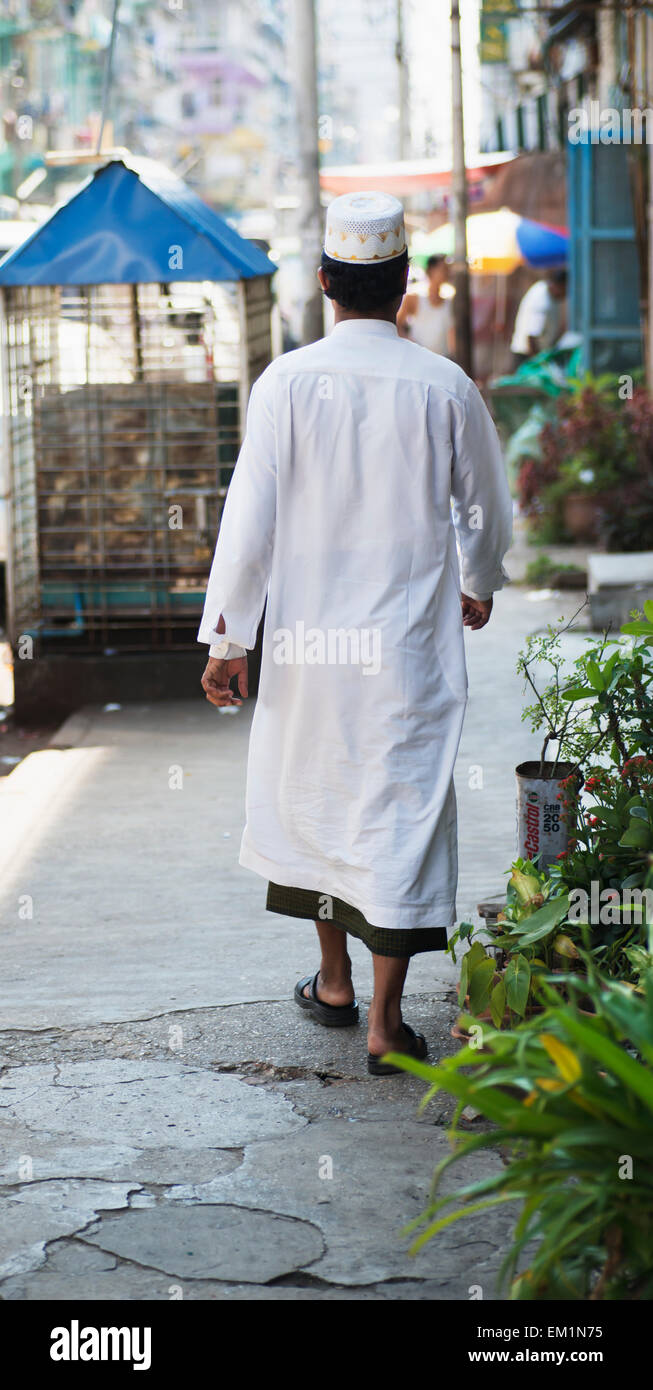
(124, 411)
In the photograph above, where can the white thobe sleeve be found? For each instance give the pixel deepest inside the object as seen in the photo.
(240, 572)
(480, 496)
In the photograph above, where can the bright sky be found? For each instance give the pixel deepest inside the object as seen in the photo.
(428, 35)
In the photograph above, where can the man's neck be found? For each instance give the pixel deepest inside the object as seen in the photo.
(345, 315)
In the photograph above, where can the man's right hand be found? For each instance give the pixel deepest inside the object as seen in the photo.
(476, 611)
(215, 681)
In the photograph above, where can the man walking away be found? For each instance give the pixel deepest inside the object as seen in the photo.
(366, 458)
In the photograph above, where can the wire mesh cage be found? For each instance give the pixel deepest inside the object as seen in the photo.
(125, 409)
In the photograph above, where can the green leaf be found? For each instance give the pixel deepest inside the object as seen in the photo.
(517, 981)
(462, 987)
(564, 946)
(479, 985)
(594, 675)
(610, 817)
(578, 692)
(648, 609)
(634, 1076)
(475, 955)
(543, 921)
(498, 1003)
(639, 629)
(636, 837)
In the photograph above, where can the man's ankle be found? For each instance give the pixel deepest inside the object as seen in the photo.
(385, 1018)
(336, 975)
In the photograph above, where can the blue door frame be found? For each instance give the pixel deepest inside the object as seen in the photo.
(604, 291)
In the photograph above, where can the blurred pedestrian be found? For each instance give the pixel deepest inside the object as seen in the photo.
(541, 317)
(426, 314)
(339, 512)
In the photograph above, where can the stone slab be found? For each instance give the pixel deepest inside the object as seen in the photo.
(380, 1181)
(148, 1104)
(212, 1241)
(622, 570)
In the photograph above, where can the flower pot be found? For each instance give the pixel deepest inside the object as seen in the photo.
(543, 829)
(580, 514)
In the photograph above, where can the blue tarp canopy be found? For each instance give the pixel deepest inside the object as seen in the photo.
(133, 222)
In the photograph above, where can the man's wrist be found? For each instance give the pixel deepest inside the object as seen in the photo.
(226, 651)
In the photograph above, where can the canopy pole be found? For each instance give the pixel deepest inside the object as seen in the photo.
(304, 71)
(462, 303)
(106, 85)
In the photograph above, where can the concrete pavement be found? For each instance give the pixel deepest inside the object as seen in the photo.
(171, 1125)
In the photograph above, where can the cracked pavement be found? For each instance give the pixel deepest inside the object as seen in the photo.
(171, 1125)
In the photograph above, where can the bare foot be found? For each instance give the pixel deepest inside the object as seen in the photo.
(381, 1040)
(332, 992)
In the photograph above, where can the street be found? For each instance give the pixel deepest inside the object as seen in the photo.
(172, 1125)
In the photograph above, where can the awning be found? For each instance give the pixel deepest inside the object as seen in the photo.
(133, 222)
(405, 176)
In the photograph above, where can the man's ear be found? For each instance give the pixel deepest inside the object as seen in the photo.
(322, 279)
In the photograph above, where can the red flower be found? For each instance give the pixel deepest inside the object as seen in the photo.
(640, 769)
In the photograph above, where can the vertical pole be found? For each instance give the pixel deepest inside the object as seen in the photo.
(402, 86)
(462, 303)
(7, 462)
(638, 169)
(648, 79)
(137, 332)
(304, 67)
(108, 72)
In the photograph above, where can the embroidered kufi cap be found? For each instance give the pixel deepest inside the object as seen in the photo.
(365, 228)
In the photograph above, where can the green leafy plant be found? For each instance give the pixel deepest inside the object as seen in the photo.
(571, 1101)
(563, 722)
(526, 935)
(602, 445)
(543, 571)
(599, 706)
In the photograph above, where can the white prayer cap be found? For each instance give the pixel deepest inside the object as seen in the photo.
(365, 228)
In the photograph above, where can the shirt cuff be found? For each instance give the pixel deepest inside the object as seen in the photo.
(499, 579)
(226, 651)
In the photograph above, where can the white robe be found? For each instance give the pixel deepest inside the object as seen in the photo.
(365, 456)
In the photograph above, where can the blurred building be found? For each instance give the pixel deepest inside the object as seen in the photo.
(202, 88)
(359, 80)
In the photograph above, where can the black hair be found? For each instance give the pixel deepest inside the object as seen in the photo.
(433, 261)
(557, 277)
(361, 287)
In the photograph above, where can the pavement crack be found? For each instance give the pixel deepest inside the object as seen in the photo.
(268, 1071)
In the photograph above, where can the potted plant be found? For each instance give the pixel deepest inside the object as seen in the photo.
(597, 445)
(547, 787)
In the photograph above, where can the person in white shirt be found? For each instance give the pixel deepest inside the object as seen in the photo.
(426, 315)
(541, 317)
(339, 513)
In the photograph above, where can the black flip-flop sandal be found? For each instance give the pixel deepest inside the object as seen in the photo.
(417, 1048)
(329, 1015)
